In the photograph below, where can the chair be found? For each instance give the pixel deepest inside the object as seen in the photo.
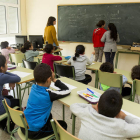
(61, 133)
(29, 65)
(16, 58)
(110, 79)
(63, 70)
(19, 119)
(136, 88)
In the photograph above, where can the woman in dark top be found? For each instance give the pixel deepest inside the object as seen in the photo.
(6, 77)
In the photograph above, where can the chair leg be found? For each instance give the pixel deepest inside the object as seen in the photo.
(73, 124)
(63, 112)
(14, 93)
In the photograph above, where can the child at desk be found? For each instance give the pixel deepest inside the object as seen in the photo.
(6, 77)
(108, 67)
(29, 53)
(79, 61)
(39, 105)
(135, 74)
(6, 50)
(48, 57)
(106, 121)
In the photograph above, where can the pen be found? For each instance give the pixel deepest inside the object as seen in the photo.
(92, 93)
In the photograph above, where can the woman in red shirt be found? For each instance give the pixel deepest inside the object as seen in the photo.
(98, 45)
(48, 57)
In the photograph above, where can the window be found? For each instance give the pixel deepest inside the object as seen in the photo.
(3, 29)
(9, 17)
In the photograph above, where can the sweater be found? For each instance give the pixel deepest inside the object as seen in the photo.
(80, 65)
(50, 58)
(95, 126)
(97, 35)
(110, 44)
(50, 35)
(30, 54)
(6, 53)
(39, 104)
(4, 79)
(105, 87)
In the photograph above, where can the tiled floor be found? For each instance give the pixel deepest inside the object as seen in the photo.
(57, 114)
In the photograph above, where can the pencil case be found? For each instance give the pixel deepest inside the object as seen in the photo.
(92, 98)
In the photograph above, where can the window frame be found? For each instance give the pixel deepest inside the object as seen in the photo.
(7, 5)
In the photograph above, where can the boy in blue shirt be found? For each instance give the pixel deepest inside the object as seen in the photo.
(39, 105)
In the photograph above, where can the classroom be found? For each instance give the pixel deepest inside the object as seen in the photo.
(69, 70)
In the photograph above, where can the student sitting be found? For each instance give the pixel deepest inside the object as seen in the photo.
(79, 61)
(39, 105)
(108, 67)
(6, 77)
(105, 121)
(6, 50)
(135, 74)
(48, 57)
(29, 53)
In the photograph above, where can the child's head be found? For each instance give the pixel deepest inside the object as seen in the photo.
(3, 64)
(110, 103)
(43, 74)
(49, 48)
(135, 72)
(27, 46)
(4, 45)
(80, 49)
(51, 21)
(107, 67)
(101, 24)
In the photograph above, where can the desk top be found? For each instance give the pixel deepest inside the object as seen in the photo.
(27, 78)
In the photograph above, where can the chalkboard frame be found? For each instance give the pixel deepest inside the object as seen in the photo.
(89, 4)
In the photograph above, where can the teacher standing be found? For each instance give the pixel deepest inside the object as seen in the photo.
(50, 32)
(110, 38)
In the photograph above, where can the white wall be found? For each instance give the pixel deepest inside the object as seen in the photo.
(38, 11)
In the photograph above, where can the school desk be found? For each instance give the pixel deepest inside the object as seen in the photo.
(128, 106)
(58, 50)
(97, 65)
(127, 52)
(23, 80)
(39, 59)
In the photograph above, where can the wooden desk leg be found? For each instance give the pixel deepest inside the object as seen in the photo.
(116, 63)
(63, 112)
(73, 124)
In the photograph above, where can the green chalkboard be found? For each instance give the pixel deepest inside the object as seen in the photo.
(77, 22)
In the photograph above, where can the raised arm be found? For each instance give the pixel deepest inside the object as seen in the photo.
(89, 61)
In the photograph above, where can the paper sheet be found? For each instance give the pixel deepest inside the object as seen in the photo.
(89, 65)
(68, 85)
(21, 74)
(127, 113)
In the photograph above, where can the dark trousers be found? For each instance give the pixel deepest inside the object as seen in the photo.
(45, 131)
(126, 91)
(14, 102)
(87, 80)
(109, 56)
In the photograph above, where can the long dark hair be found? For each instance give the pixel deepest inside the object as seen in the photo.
(2, 61)
(113, 33)
(80, 49)
(50, 21)
(4, 44)
(48, 48)
(100, 23)
(26, 46)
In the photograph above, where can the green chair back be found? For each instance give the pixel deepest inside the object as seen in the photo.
(61, 133)
(136, 88)
(110, 79)
(17, 58)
